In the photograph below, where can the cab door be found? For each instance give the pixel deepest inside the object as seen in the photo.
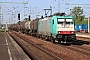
(53, 27)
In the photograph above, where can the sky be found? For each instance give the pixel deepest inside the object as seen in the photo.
(9, 11)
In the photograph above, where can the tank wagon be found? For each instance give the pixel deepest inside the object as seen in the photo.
(34, 27)
(60, 28)
(14, 27)
(22, 26)
(27, 27)
(31, 27)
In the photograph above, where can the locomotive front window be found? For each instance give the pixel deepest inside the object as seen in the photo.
(65, 21)
(61, 21)
(69, 22)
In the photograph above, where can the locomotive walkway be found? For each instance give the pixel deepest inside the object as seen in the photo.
(9, 49)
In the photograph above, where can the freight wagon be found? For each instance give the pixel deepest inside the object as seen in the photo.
(83, 28)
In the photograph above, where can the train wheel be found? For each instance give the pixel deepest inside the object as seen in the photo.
(59, 40)
(52, 39)
(40, 36)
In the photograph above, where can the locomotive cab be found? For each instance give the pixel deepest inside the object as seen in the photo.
(63, 29)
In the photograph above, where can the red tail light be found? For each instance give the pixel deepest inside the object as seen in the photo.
(66, 32)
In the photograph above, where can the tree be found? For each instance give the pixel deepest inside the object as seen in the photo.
(26, 19)
(77, 12)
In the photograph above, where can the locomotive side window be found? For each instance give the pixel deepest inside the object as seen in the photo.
(53, 21)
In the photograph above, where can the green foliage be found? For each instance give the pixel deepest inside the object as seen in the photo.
(2, 30)
(26, 19)
(76, 11)
(81, 22)
(79, 18)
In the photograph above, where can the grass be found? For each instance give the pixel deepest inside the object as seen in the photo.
(2, 30)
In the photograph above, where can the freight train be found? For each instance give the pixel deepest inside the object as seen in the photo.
(55, 28)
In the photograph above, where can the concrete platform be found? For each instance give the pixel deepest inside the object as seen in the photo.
(83, 35)
(9, 49)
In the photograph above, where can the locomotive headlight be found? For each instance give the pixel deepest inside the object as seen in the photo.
(59, 32)
(72, 32)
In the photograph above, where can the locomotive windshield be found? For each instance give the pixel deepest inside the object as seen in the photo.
(61, 21)
(69, 22)
(65, 21)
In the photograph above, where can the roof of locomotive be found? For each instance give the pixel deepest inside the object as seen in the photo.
(54, 17)
(62, 17)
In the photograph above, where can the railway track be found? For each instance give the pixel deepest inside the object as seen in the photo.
(34, 50)
(72, 52)
(80, 45)
(79, 49)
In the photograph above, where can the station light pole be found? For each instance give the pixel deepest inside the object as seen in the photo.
(88, 22)
(59, 6)
(6, 27)
(18, 3)
(37, 15)
(0, 18)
